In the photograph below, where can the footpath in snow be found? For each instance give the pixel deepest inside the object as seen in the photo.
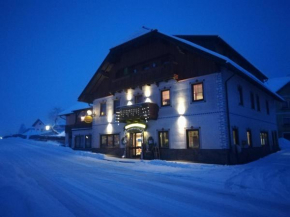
(45, 179)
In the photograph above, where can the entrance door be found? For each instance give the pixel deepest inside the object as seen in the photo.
(136, 144)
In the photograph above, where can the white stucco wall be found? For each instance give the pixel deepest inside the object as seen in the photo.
(208, 115)
(243, 117)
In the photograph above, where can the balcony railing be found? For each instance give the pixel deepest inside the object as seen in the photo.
(68, 128)
(136, 113)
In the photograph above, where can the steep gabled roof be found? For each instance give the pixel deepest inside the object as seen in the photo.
(217, 44)
(37, 121)
(78, 106)
(256, 78)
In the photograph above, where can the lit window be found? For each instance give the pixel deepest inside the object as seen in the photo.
(165, 98)
(163, 139)
(192, 138)
(249, 138)
(103, 109)
(197, 92)
(264, 138)
(235, 136)
(110, 140)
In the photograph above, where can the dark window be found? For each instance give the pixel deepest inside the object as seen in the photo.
(235, 136)
(249, 138)
(88, 141)
(267, 107)
(258, 103)
(197, 92)
(103, 108)
(163, 139)
(285, 105)
(192, 138)
(274, 138)
(116, 104)
(240, 90)
(252, 101)
(264, 138)
(165, 98)
(138, 99)
(110, 140)
(79, 141)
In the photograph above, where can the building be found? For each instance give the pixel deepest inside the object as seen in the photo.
(184, 98)
(281, 86)
(77, 131)
(38, 125)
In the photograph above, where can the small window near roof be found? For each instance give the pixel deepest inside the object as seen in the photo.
(197, 92)
(165, 98)
(103, 109)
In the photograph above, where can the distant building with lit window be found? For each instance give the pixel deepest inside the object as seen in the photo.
(183, 97)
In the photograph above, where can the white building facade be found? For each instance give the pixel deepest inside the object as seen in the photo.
(225, 116)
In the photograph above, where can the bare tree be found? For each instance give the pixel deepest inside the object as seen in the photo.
(53, 115)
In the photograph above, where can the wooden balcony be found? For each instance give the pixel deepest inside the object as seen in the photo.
(68, 128)
(141, 112)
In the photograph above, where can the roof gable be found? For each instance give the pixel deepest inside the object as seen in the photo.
(102, 72)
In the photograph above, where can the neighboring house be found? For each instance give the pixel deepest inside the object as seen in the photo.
(77, 131)
(193, 97)
(282, 87)
(38, 125)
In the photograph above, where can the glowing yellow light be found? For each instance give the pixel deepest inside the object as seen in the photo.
(109, 128)
(181, 123)
(147, 91)
(129, 94)
(88, 119)
(47, 127)
(143, 126)
(148, 100)
(110, 116)
(181, 105)
(89, 112)
(129, 103)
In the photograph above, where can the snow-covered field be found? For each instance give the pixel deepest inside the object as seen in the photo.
(44, 179)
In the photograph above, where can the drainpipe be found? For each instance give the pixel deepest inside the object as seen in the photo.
(228, 117)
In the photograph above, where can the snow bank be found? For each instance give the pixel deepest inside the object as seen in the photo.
(284, 143)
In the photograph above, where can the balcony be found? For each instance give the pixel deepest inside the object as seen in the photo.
(141, 112)
(68, 128)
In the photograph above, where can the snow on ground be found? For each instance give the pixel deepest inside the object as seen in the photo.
(45, 179)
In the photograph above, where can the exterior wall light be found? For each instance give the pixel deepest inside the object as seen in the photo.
(143, 126)
(47, 127)
(88, 118)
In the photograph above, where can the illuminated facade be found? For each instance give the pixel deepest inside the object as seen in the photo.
(182, 100)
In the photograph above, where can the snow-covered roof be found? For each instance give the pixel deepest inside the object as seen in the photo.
(77, 106)
(275, 84)
(227, 60)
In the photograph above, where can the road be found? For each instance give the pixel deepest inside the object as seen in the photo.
(40, 179)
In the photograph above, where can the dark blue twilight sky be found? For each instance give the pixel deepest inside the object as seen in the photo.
(50, 49)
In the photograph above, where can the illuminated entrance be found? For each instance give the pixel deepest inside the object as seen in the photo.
(135, 135)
